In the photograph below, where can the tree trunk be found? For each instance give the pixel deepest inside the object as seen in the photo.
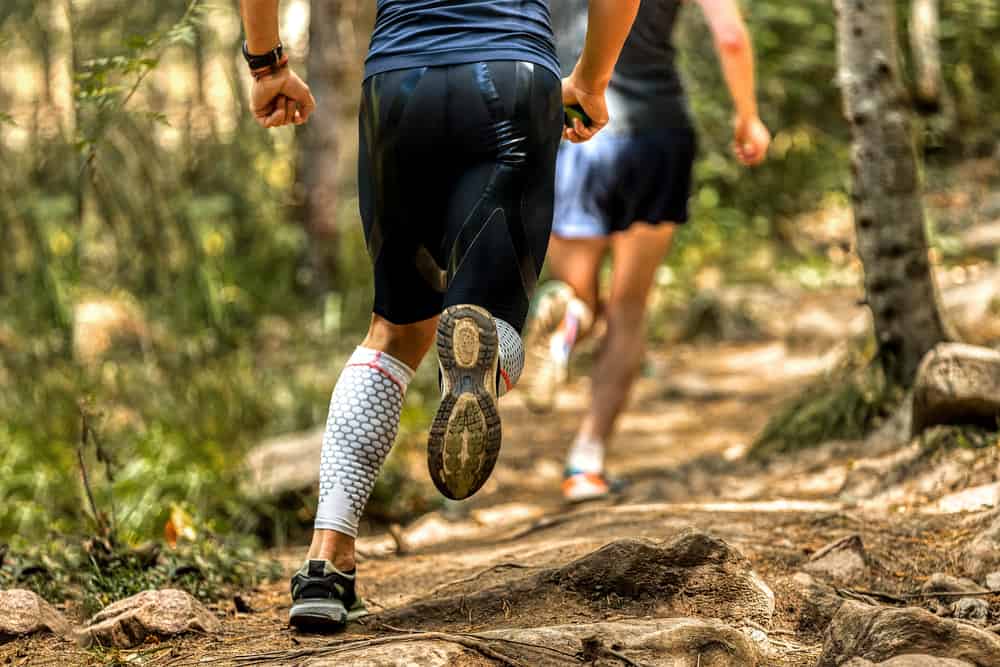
(318, 176)
(926, 51)
(888, 213)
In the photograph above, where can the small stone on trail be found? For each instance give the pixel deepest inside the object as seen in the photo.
(945, 583)
(25, 613)
(843, 561)
(974, 610)
(150, 614)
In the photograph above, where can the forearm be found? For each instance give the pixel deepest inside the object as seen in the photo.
(260, 22)
(738, 68)
(608, 25)
(732, 42)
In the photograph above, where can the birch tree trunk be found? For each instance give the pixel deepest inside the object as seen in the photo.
(888, 213)
(925, 48)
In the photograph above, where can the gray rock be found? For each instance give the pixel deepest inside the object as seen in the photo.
(945, 583)
(25, 613)
(160, 614)
(957, 384)
(993, 581)
(843, 561)
(879, 634)
(974, 610)
(674, 642)
(982, 555)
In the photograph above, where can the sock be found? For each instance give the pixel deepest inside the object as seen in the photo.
(576, 321)
(360, 430)
(511, 356)
(586, 455)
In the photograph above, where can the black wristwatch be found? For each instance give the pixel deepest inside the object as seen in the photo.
(269, 59)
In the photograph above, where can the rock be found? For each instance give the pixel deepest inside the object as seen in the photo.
(693, 574)
(843, 561)
(673, 642)
(945, 583)
(274, 466)
(982, 554)
(25, 613)
(974, 610)
(957, 384)
(150, 614)
(879, 634)
(993, 581)
(922, 660)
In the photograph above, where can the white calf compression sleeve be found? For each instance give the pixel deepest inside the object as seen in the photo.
(360, 430)
(511, 356)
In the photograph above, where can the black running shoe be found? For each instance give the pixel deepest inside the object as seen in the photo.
(465, 437)
(323, 598)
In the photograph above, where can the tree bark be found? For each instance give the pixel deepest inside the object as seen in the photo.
(926, 51)
(318, 175)
(888, 213)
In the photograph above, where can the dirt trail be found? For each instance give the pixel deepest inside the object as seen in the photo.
(511, 557)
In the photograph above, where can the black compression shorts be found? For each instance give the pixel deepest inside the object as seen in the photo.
(455, 174)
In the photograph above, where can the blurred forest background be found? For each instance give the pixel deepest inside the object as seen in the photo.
(177, 284)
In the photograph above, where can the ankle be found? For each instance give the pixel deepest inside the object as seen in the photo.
(335, 547)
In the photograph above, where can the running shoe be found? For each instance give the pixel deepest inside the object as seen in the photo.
(324, 598)
(465, 436)
(548, 358)
(578, 487)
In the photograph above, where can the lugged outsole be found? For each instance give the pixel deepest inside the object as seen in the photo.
(321, 616)
(468, 405)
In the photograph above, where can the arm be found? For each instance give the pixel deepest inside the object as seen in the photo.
(608, 25)
(732, 42)
(278, 96)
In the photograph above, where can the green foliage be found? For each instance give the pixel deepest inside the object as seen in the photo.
(96, 574)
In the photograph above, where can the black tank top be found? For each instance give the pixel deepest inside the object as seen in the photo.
(646, 90)
(419, 33)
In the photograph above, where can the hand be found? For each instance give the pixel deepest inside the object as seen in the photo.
(592, 101)
(281, 98)
(750, 141)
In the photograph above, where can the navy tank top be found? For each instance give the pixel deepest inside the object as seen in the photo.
(646, 91)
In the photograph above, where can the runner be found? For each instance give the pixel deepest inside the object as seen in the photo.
(625, 193)
(460, 120)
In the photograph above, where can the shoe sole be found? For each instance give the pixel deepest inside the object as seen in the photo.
(323, 615)
(465, 437)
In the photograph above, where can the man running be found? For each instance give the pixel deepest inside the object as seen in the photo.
(625, 193)
(460, 120)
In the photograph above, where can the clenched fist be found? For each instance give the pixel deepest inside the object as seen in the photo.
(281, 98)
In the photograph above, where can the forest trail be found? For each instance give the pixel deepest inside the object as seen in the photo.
(515, 556)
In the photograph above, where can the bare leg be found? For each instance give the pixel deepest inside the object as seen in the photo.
(636, 254)
(577, 262)
(408, 343)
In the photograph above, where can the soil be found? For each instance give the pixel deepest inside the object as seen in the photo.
(487, 563)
